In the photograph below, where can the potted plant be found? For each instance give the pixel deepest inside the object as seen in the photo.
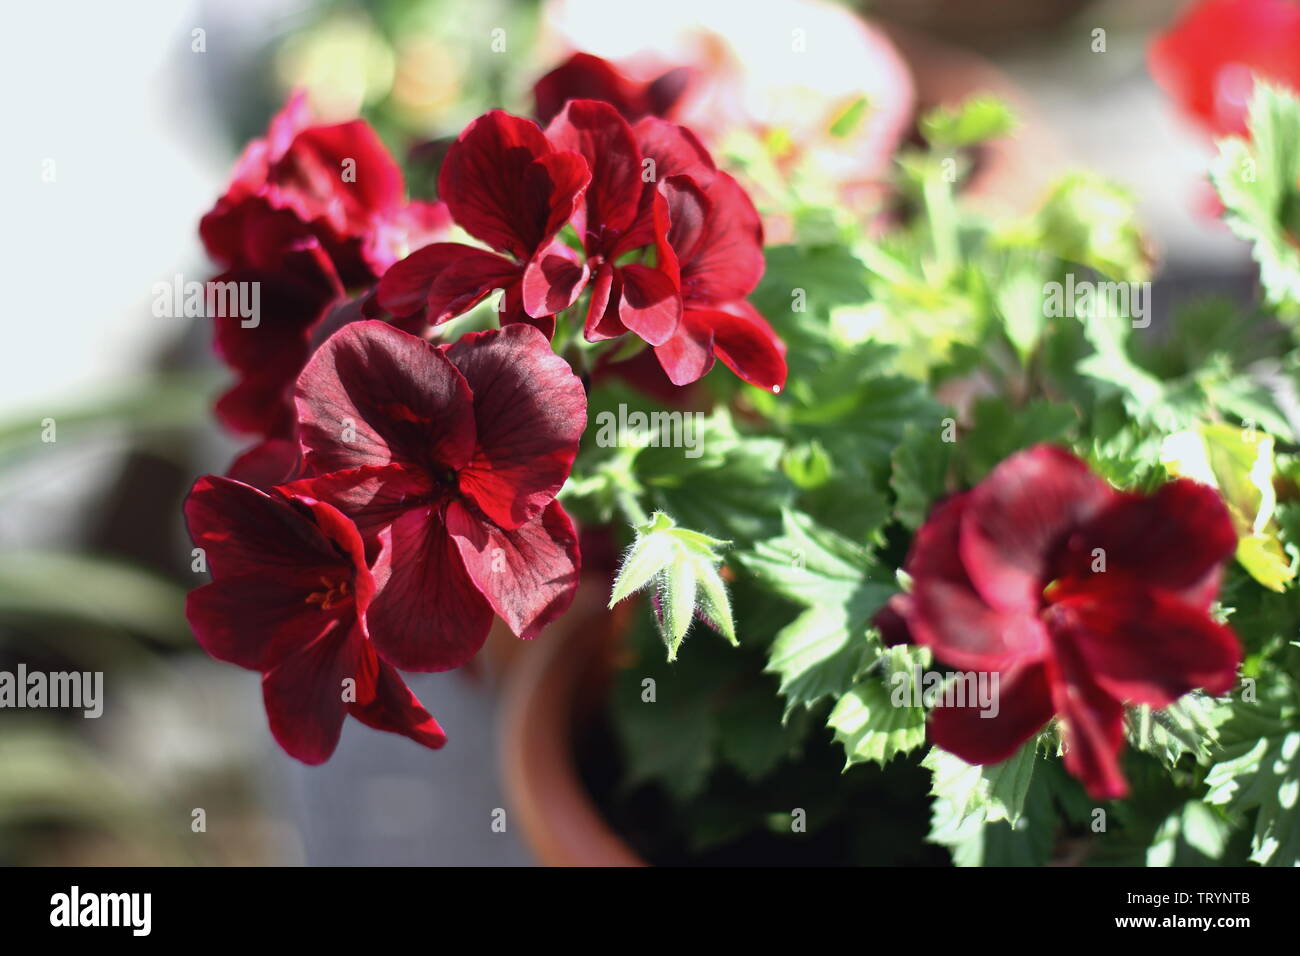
(942, 553)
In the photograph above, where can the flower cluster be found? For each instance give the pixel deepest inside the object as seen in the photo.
(425, 505)
(1080, 597)
(665, 245)
(311, 212)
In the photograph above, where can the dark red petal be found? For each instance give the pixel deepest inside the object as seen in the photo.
(1024, 704)
(374, 395)
(597, 132)
(602, 309)
(891, 621)
(507, 187)
(1145, 646)
(949, 616)
(245, 531)
(303, 694)
(530, 574)
(1019, 520)
(396, 709)
(404, 289)
(444, 280)
(675, 150)
(270, 462)
(252, 619)
(1174, 539)
(468, 282)
(687, 209)
(1092, 725)
(553, 280)
(650, 305)
(341, 174)
(530, 412)
(268, 350)
(371, 497)
(688, 355)
(727, 261)
(745, 343)
(427, 614)
(585, 77)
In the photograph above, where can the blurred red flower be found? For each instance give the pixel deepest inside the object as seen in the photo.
(310, 212)
(1208, 59)
(1079, 597)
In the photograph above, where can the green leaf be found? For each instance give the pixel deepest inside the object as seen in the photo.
(1256, 181)
(988, 792)
(1261, 771)
(919, 474)
(1190, 725)
(974, 121)
(871, 720)
(1192, 833)
(841, 585)
(1092, 222)
(1000, 429)
(991, 816)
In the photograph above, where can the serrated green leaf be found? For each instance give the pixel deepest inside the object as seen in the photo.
(919, 474)
(1260, 771)
(1256, 181)
(824, 649)
(870, 725)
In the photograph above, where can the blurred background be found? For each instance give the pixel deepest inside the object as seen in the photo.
(122, 124)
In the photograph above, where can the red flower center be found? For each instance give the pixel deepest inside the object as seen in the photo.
(336, 593)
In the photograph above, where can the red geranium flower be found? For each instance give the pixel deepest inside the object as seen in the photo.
(716, 238)
(586, 77)
(508, 187)
(310, 212)
(339, 181)
(448, 458)
(616, 219)
(1080, 597)
(288, 597)
(1207, 60)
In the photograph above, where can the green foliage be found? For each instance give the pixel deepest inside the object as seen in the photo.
(1258, 769)
(1257, 183)
(840, 586)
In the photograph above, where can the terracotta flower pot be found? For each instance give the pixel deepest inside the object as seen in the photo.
(550, 691)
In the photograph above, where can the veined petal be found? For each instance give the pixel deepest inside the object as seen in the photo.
(374, 395)
(529, 574)
(530, 411)
(506, 186)
(396, 709)
(649, 304)
(603, 138)
(745, 343)
(427, 614)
